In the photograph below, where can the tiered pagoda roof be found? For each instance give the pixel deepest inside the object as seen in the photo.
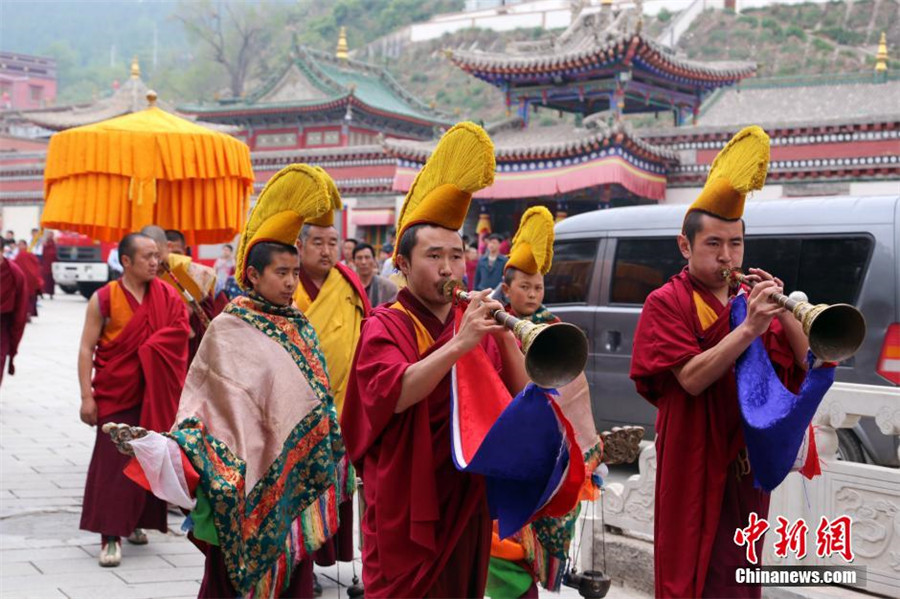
(547, 161)
(600, 62)
(321, 83)
(130, 97)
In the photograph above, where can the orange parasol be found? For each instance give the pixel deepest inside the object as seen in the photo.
(149, 167)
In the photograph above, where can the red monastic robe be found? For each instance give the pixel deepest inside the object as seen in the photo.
(426, 529)
(13, 312)
(139, 369)
(48, 258)
(147, 361)
(31, 266)
(699, 499)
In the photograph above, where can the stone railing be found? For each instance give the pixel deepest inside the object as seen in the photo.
(869, 494)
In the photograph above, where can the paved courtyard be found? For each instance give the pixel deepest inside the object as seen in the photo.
(44, 455)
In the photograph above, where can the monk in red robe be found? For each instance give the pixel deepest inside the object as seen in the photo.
(48, 258)
(13, 312)
(683, 363)
(135, 343)
(426, 529)
(31, 266)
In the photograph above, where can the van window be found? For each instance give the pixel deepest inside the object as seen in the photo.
(570, 276)
(641, 266)
(829, 270)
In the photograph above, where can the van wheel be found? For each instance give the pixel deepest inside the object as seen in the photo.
(87, 289)
(849, 447)
(69, 289)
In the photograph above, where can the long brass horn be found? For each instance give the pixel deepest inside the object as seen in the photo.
(835, 331)
(554, 353)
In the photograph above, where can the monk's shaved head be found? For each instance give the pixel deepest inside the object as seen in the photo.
(157, 234)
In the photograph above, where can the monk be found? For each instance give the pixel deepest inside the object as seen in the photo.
(31, 266)
(47, 260)
(334, 300)
(13, 312)
(538, 552)
(426, 528)
(255, 453)
(195, 282)
(683, 363)
(135, 344)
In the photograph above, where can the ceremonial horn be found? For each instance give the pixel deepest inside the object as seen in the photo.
(554, 353)
(835, 331)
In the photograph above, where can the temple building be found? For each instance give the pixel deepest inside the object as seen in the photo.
(332, 111)
(831, 134)
(601, 68)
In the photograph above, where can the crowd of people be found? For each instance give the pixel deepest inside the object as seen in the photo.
(26, 273)
(261, 394)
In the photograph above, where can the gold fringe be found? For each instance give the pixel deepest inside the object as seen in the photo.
(464, 157)
(536, 230)
(744, 161)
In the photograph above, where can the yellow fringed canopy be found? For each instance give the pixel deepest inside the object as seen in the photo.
(149, 167)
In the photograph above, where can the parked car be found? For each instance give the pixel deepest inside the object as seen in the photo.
(836, 249)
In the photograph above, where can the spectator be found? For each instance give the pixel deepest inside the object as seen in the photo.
(347, 248)
(489, 272)
(387, 267)
(10, 249)
(115, 267)
(224, 266)
(471, 265)
(379, 289)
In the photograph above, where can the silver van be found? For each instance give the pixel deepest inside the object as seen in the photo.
(835, 249)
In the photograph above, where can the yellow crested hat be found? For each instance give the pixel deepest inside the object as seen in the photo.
(461, 164)
(293, 195)
(738, 169)
(327, 219)
(532, 247)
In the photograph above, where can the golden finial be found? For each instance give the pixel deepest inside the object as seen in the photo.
(342, 45)
(151, 98)
(135, 68)
(882, 56)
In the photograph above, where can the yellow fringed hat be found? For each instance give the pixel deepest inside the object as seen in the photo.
(293, 195)
(532, 247)
(327, 219)
(461, 164)
(738, 169)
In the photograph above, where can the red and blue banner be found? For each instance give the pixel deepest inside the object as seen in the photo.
(523, 446)
(774, 420)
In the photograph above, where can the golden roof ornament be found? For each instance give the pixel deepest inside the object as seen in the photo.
(342, 45)
(135, 68)
(151, 98)
(882, 55)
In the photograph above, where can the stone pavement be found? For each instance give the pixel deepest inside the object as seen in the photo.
(44, 454)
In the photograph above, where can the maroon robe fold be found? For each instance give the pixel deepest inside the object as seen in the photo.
(426, 529)
(137, 380)
(147, 363)
(699, 499)
(31, 266)
(13, 312)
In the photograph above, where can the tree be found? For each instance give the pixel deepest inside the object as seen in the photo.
(236, 33)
